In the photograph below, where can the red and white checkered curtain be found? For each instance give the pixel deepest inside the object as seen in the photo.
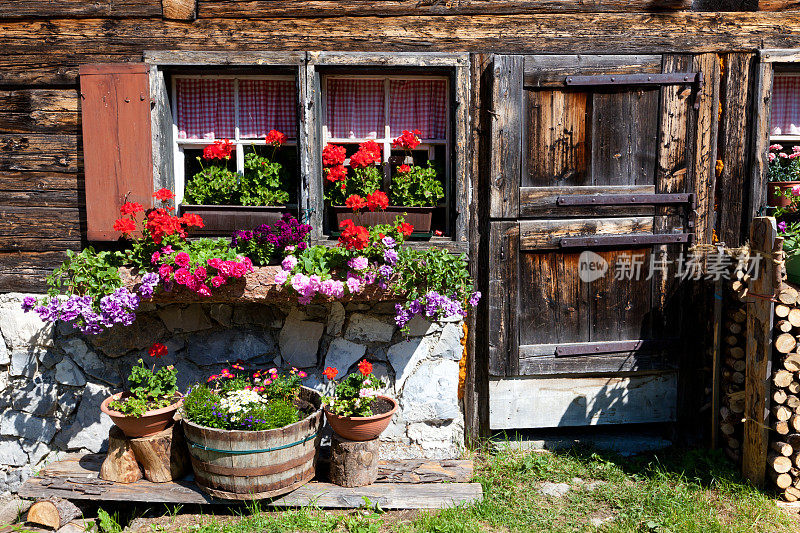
(355, 108)
(418, 105)
(785, 117)
(267, 105)
(205, 108)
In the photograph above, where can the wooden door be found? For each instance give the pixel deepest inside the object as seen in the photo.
(590, 170)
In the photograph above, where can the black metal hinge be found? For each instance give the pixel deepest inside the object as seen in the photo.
(667, 78)
(627, 199)
(625, 240)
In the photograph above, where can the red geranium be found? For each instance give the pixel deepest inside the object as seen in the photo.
(218, 150)
(337, 173)
(361, 159)
(354, 237)
(355, 202)
(333, 155)
(365, 367)
(275, 138)
(157, 350)
(372, 149)
(330, 372)
(192, 220)
(163, 195)
(402, 169)
(377, 201)
(408, 140)
(160, 223)
(405, 228)
(124, 225)
(131, 208)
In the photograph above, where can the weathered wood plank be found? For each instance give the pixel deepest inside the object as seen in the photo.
(607, 364)
(43, 222)
(502, 298)
(552, 70)
(329, 8)
(542, 201)
(762, 97)
(778, 5)
(179, 9)
(529, 402)
(506, 137)
(34, 198)
(14, 243)
(39, 152)
(545, 234)
(758, 356)
(26, 272)
(33, 100)
(80, 8)
(778, 55)
(39, 122)
(30, 181)
(222, 57)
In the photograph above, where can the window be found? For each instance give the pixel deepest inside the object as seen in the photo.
(357, 108)
(785, 115)
(240, 108)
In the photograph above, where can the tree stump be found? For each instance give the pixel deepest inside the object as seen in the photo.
(54, 513)
(353, 464)
(120, 464)
(163, 456)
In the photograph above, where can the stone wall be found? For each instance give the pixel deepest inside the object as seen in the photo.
(52, 378)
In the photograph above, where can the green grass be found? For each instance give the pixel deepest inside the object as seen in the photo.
(673, 491)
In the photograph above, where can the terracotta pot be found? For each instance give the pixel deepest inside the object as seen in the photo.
(778, 200)
(361, 428)
(419, 217)
(149, 424)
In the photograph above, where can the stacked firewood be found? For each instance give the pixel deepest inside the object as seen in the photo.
(732, 378)
(783, 462)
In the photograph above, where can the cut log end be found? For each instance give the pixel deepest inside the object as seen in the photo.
(53, 513)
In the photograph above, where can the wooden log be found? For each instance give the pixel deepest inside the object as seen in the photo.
(736, 401)
(739, 365)
(733, 443)
(737, 377)
(794, 422)
(120, 465)
(53, 513)
(782, 448)
(725, 413)
(794, 387)
(787, 295)
(792, 494)
(792, 402)
(727, 428)
(782, 413)
(779, 463)
(784, 326)
(796, 460)
(781, 428)
(737, 352)
(794, 317)
(732, 340)
(781, 480)
(782, 378)
(734, 327)
(782, 311)
(785, 343)
(353, 464)
(163, 456)
(792, 362)
(779, 396)
(733, 455)
(793, 440)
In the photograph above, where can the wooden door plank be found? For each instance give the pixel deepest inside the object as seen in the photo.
(762, 99)
(545, 234)
(503, 297)
(542, 202)
(506, 137)
(615, 364)
(530, 402)
(552, 70)
(758, 357)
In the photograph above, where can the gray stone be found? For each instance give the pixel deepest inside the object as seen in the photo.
(21, 329)
(16, 477)
(11, 452)
(221, 313)
(597, 522)
(316, 311)
(175, 344)
(364, 328)
(184, 320)
(353, 306)
(14, 424)
(5, 358)
(38, 399)
(449, 345)
(90, 428)
(228, 346)
(342, 354)
(336, 319)
(68, 373)
(383, 372)
(419, 326)
(119, 340)
(384, 308)
(556, 490)
(299, 341)
(89, 362)
(35, 450)
(430, 393)
(449, 436)
(396, 430)
(406, 355)
(261, 316)
(49, 358)
(23, 363)
(67, 402)
(188, 375)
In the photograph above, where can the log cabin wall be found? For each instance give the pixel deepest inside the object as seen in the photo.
(42, 45)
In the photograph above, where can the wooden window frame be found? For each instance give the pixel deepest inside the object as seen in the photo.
(309, 132)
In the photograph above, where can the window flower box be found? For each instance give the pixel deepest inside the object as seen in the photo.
(225, 219)
(419, 217)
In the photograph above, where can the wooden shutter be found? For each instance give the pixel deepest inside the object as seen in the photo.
(117, 142)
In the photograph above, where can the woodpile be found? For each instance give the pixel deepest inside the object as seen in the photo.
(732, 379)
(783, 461)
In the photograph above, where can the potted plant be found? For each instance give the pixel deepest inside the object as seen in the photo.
(784, 173)
(253, 434)
(151, 401)
(355, 410)
(228, 201)
(415, 190)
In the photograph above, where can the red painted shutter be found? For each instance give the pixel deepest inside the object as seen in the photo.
(117, 142)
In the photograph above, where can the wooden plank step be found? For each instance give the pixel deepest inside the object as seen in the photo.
(403, 486)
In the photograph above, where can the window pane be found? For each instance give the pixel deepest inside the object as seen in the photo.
(785, 117)
(267, 105)
(418, 105)
(205, 109)
(355, 108)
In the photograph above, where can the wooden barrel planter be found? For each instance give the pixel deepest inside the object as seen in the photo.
(247, 465)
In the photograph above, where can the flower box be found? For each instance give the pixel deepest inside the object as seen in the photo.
(419, 217)
(776, 190)
(223, 220)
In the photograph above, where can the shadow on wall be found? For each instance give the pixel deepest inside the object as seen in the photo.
(721, 5)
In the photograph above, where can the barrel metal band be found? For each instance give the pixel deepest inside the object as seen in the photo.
(245, 452)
